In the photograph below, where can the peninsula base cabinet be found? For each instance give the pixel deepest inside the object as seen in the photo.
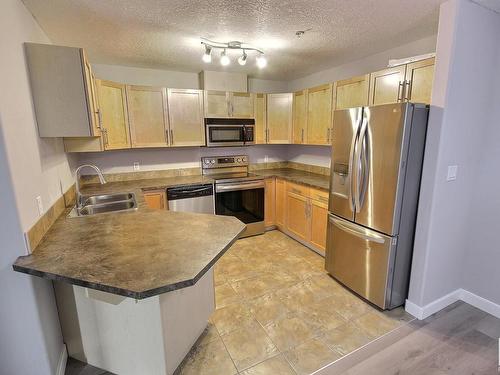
(159, 331)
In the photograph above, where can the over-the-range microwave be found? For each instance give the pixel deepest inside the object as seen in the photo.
(229, 132)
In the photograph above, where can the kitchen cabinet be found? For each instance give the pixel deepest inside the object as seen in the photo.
(269, 203)
(225, 104)
(185, 117)
(156, 199)
(148, 116)
(280, 203)
(387, 86)
(419, 78)
(318, 218)
(113, 105)
(352, 92)
(319, 114)
(299, 107)
(297, 215)
(260, 118)
(279, 118)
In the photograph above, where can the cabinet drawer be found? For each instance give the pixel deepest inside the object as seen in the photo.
(319, 195)
(297, 189)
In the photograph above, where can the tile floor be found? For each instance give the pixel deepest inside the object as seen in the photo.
(278, 312)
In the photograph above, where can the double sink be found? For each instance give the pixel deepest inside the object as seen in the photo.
(104, 203)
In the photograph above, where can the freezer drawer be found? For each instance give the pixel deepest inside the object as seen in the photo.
(361, 259)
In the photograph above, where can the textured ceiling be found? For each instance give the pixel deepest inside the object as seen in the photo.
(165, 34)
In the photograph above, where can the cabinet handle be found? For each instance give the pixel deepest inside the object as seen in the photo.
(400, 91)
(104, 132)
(171, 137)
(408, 90)
(302, 136)
(167, 136)
(267, 135)
(99, 117)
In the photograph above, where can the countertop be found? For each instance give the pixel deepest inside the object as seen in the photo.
(136, 254)
(314, 180)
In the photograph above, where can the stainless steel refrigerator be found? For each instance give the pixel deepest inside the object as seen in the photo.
(376, 167)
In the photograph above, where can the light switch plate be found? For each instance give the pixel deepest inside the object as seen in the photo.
(39, 205)
(452, 173)
(137, 166)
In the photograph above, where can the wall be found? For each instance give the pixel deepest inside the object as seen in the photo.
(366, 65)
(315, 155)
(454, 245)
(30, 337)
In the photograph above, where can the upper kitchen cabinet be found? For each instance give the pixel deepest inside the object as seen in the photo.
(63, 91)
(185, 114)
(387, 86)
(299, 116)
(260, 118)
(319, 114)
(352, 92)
(279, 118)
(241, 104)
(225, 104)
(148, 116)
(113, 104)
(419, 79)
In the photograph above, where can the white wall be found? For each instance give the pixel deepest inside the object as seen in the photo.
(307, 154)
(454, 244)
(30, 337)
(366, 65)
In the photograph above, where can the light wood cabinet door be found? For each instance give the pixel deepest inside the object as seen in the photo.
(297, 221)
(92, 101)
(216, 104)
(318, 212)
(352, 92)
(279, 118)
(155, 199)
(387, 86)
(280, 203)
(319, 114)
(113, 106)
(242, 104)
(269, 202)
(419, 79)
(260, 118)
(148, 116)
(299, 117)
(185, 115)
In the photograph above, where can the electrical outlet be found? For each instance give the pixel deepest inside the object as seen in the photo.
(40, 205)
(137, 166)
(266, 159)
(452, 173)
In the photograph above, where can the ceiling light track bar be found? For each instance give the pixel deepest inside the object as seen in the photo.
(230, 45)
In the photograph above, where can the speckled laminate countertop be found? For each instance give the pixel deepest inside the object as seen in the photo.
(136, 254)
(314, 180)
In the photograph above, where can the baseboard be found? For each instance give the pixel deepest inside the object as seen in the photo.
(422, 312)
(63, 358)
(481, 303)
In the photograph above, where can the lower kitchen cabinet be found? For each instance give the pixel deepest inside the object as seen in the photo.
(297, 215)
(269, 206)
(156, 199)
(280, 203)
(319, 220)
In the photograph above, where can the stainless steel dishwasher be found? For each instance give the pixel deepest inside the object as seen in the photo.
(192, 198)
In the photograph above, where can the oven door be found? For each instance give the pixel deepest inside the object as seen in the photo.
(243, 200)
(225, 135)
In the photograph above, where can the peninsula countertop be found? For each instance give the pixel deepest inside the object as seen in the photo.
(136, 254)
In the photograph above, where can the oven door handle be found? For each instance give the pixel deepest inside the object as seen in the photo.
(239, 186)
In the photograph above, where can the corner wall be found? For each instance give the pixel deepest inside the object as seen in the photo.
(455, 247)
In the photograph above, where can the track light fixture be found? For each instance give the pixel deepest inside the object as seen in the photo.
(233, 45)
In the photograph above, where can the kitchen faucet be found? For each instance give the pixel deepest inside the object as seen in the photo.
(79, 203)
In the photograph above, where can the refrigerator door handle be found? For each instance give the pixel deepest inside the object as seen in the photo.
(352, 153)
(357, 231)
(360, 170)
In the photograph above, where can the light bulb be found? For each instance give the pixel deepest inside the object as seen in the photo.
(261, 61)
(242, 60)
(207, 56)
(224, 59)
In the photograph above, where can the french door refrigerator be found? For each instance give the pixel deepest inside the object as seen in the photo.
(377, 155)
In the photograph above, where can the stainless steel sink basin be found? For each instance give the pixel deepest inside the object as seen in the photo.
(105, 203)
(107, 198)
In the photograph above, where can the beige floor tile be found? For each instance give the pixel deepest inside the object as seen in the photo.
(238, 270)
(219, 278)
(289, 332)
(231, 317)
(349, 305)
(375, 324)
(273, 366)
(249, 346)
(321, 316)
(310, 356)
(225, 295)
(268, 308)
(346, 338)
(210, 334)
(209, 359)
(254, 287)
(301, 294)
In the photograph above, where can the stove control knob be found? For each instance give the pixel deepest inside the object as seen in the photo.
(212, 161)
(238, 160)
